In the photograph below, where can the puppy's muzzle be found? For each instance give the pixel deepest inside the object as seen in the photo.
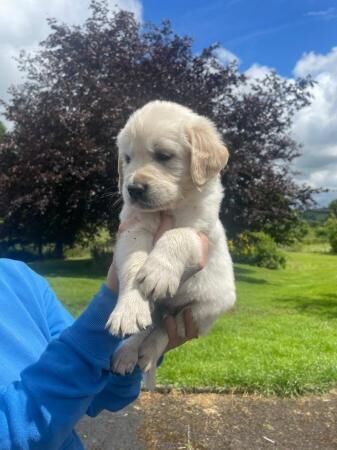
(138, 191)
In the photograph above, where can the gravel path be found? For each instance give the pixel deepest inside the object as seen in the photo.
(179, 421)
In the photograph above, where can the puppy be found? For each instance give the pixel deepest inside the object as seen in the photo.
(169, 161)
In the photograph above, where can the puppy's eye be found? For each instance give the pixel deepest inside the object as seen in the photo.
(162, 157)
(127, 159)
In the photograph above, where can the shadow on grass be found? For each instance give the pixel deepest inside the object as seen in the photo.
(324, 305)
(247, 276)
(88, 268)
(73, 268)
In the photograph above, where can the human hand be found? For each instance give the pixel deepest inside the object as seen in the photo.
(191, 331)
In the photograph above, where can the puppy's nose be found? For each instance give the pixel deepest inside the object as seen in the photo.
(137, 190)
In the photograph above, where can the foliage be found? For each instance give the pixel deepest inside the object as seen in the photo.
(2, 131)
(101, 248)
(316, 216)
(290, 232)
(333, 208)
(259, 249)
(281, 337)
(18, 252)
(331, 228)
(58, 165)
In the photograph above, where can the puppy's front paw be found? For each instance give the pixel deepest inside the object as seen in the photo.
(131, 315)
(124, 360)
(158, 280)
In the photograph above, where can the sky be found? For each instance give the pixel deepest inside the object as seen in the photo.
(293, 37)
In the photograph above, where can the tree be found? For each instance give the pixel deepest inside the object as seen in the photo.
(59, 162)
(333, 209)
(2, 131)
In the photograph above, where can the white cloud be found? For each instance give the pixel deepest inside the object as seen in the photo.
(316, 125)
(225, 56)
(23, 25)
(327, 14)
(258, 71)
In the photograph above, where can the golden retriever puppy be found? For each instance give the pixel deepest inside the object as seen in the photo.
(169, 161)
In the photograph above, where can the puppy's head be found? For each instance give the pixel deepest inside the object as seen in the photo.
(165, 152)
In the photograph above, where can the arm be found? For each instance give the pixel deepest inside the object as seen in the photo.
(119, 391)
(41, 408)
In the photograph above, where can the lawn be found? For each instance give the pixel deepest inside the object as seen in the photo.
(281, 338)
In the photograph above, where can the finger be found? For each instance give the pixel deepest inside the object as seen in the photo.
(171, 329)
(166, 223)
(191, 331)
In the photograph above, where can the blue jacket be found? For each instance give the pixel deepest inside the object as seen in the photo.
(53, 369)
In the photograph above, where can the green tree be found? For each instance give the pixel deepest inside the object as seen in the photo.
(333, 209)
(2, 131)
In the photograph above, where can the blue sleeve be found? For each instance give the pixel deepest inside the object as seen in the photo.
(58, 318)
(119, 390)
(40, 410)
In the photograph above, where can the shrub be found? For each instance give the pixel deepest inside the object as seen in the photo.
(331, 227)
(101, 248)
(322, 232)
(257, 248)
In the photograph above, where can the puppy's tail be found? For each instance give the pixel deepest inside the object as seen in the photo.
(150, 379)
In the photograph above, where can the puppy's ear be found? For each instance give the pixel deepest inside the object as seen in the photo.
(208, 153)
(120, 174)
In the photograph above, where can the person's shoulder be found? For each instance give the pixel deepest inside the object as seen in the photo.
(12, 264)
(14, 267)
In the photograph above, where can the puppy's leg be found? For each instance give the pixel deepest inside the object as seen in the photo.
(154, 345)
(132, 312)
(151, 349)
(156, 342)
(125, 358)
(177, 252)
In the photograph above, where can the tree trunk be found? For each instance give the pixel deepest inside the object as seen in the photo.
(58, 251)
(40, 250)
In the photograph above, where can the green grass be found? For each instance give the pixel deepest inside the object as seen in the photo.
(281, 338)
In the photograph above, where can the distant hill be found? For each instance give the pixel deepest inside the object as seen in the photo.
(316, 216)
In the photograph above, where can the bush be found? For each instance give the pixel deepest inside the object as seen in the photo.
(257, 248)
(322, 232)
(331, 227)
(101, 248)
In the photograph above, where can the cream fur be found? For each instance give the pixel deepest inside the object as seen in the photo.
(188, 186)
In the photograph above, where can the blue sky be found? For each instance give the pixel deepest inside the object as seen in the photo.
(274, 33)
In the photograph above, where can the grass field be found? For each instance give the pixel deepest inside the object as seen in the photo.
(281, 338)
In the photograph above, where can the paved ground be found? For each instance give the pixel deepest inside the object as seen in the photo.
(178, 421)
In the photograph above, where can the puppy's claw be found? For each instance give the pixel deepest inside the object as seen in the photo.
(146, 363)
